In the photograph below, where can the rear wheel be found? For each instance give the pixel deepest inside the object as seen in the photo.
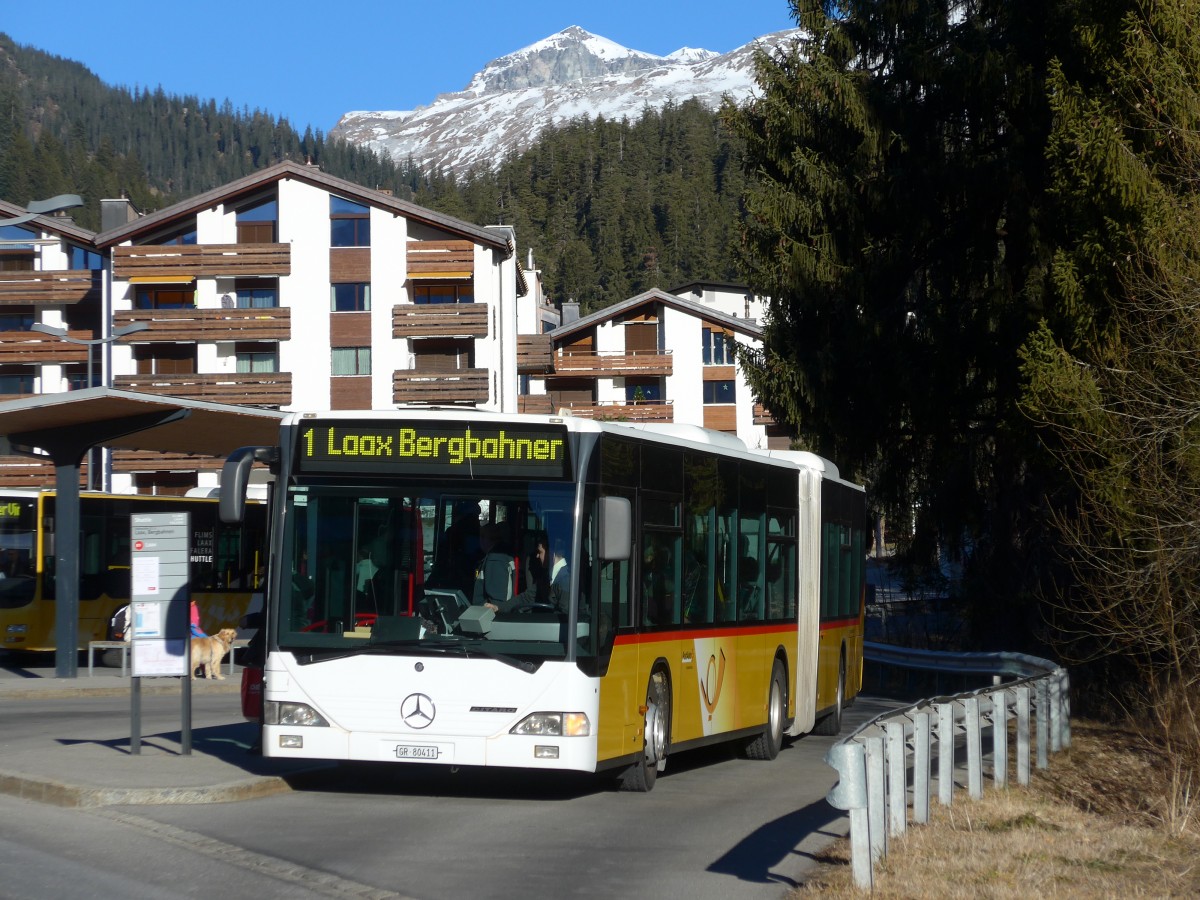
(768, 744)
(640, 776)
(832, 723)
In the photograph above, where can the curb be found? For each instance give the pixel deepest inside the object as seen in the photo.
(56, 793)
(68, 693)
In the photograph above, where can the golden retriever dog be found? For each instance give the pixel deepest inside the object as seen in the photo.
(209, 651)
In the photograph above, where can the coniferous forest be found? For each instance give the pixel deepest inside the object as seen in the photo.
(609, 208)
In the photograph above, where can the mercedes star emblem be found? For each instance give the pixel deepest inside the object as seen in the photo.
(418, 711)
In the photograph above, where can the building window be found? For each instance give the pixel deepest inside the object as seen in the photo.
(257, 293)
(353, 296)
(165, 359)
(444, 293)
(14, 255)
(153, 297)
(719, 391)
(16, 380)
(185, 235)
(257, 224)
(11, 321)
(718, 348)
(443, 355)
(252, 357)
(351, 361)
(643, 391)
(349, 223)
(83, 258)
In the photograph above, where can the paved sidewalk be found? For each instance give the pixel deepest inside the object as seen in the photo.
(67, 741)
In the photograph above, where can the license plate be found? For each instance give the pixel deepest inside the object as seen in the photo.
(416, 751)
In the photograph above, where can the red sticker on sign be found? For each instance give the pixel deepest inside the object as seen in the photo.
(137, 545)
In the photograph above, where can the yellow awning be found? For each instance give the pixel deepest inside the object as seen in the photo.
(161, 279)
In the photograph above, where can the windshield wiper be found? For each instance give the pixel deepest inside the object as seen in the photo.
(418, 647)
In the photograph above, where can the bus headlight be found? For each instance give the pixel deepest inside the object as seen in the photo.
(556, 724)
(283, 712)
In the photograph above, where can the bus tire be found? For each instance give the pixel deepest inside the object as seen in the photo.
(832, 723)
(641, 775)
(768, 744)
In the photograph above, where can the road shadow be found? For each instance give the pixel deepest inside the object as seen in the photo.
(753, 858)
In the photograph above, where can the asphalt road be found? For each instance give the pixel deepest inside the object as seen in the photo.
(714, 826)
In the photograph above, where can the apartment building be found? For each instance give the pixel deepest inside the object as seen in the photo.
(656, 357)
(287, 289)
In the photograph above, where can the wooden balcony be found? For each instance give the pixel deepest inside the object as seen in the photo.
(613, 364)
(187, 325)
(441, 259)
(538, 404)
(466, 386)
(272, 389)
(33, 348)
(644, 411)
(440, 320)
(535, 354)
(152, 461)
(44, 288)
(201, 260)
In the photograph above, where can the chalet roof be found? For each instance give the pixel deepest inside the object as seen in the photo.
(310, 175)
(733, 323)
(57, 225)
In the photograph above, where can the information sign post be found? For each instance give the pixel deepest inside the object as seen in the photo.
(160, 611)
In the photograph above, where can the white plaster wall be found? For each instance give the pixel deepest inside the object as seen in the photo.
(389, 268)
(755, 436)
(304, 223)
(681, 332)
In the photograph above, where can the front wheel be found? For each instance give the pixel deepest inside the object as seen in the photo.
(768, 744)
(641, 775)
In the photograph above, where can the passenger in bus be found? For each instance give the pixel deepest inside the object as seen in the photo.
(549, 580)
(657, 589)
(494, 576)
(458, 550)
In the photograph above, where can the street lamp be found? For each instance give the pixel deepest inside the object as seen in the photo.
(62, 335)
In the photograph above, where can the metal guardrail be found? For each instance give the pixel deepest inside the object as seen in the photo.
(873, 762)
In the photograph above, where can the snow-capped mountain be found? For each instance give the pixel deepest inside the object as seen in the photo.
(565, 76)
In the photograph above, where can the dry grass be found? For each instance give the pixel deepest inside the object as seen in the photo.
(1111, 817)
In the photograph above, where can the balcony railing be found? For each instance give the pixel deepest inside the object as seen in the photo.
(538, 404)
(441, 259)
(608, 363)
(152, 461)
(32, 348)
(460, 387)
(535, 354)
(448, 320)
(67, 286)
(245, 388)
(202, 260)
(189, 325)
(642, 411)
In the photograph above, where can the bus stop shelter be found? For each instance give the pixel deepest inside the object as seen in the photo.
(62, 428)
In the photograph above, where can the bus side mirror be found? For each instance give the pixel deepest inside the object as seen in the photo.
(235, 477)
(615, 528)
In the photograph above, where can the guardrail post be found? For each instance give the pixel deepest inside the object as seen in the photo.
(876, 798)
(974, 748)
(922, 756)
(1065, 694)
(897, 783)
(849, 760)
(1043, 723)
(945, 753)
(1023, 693)
(1000, 738)
(1055, 688)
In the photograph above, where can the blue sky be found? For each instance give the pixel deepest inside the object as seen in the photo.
(293, 60)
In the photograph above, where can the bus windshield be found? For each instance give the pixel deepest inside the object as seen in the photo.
(424, 566)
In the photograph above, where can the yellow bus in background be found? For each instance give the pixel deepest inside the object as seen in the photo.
(227, 562)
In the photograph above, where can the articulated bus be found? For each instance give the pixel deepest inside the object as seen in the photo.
(227, 562)
(660, 588)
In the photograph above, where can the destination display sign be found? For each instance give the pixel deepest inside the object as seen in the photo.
(467, 450)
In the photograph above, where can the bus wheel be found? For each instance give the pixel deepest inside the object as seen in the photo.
(832, 723)
(640, 776)
(768, 744)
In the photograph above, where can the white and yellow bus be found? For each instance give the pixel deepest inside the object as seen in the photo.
(693, 591)
(227, 563)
